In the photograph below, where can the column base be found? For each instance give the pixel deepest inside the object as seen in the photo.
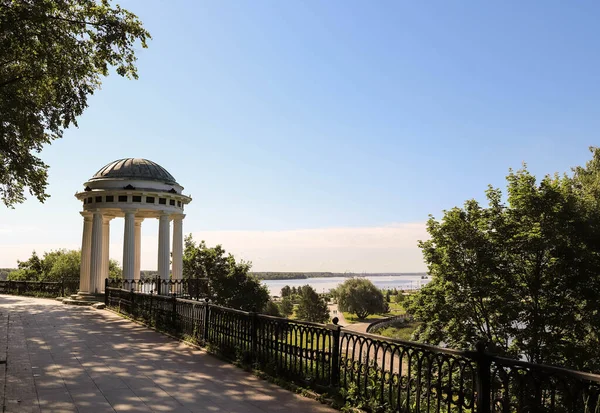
(84, 298)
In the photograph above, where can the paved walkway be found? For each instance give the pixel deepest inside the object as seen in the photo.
(70, 359)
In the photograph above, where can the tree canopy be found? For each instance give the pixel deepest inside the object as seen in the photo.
(286, 307)
(361, 297)
(229, 281)
(312, 307)
(521, 275)
(55, 266)
(53, 55)
(286, 291)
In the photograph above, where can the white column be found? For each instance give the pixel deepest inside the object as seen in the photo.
(96, 253)
(178, 246)
(129, 246)
(163, 246)
(105, 250)
(138, 247)
(86, 250)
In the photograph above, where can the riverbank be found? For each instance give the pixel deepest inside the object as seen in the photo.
(306, 275)
(325, 284)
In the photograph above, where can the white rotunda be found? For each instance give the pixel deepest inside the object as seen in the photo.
(134, 189)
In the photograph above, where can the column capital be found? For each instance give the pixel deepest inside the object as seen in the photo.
(87, 215)
(139, 220)
(107, 218)
(130, 211)
(175, 217)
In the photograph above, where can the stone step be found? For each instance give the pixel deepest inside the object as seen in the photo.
(87, 297)
(70, 301)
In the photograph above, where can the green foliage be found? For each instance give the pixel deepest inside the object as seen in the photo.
(4, 272)
(312, 307)
(272, 309)
(361, 297)
(522, 275)
(286, 291)
(400, 298)
(55, 266)
(229, 281)
(62, 264)
(53, 55)
(286, 307)
(114, 270)
(401, 330)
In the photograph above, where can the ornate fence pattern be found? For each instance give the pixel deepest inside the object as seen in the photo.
(192, 288)
(40, 288)
(380, 374)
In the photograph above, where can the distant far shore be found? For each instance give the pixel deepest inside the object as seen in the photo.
(304, 275)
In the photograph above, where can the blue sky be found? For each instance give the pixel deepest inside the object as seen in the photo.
(287, 116)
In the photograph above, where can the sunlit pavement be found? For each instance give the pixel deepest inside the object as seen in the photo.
(69, 359)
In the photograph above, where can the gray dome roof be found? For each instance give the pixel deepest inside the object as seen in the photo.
(134, 168)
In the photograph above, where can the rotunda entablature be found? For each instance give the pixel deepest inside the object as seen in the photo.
(123, 183)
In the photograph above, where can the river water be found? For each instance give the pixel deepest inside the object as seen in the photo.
(323, 285)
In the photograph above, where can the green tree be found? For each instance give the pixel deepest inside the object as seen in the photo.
(521, 275)
(229, 281)
(114, 269)
(286, 291)
(29, 270)
(55, 266)
(62, 264)
(387, 296)
(400, 298)
(312, 307)
(53, 55)
(286, 307)
(361, 297)
(272, 309)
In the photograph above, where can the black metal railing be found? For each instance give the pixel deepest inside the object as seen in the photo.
(60, 288)
(192, 288)
(370, 371)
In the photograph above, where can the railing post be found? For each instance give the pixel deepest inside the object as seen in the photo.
(151, 310)
(335, 354)
(158, 285)
(174, 311)
(206, 319)
(254, 334)
(483, 379)
(106, 292)
(132, 301)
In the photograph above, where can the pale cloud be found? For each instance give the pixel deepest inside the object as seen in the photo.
(391, 248)
(373, 249)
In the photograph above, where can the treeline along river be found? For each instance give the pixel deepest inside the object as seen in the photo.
(325, 284)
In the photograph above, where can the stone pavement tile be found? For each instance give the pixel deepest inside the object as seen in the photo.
(124, 400)
(91, 401)
(56, 400)
(49, 383)
(22, 407)
(138, 382)
(107, 382)
(80, 382)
